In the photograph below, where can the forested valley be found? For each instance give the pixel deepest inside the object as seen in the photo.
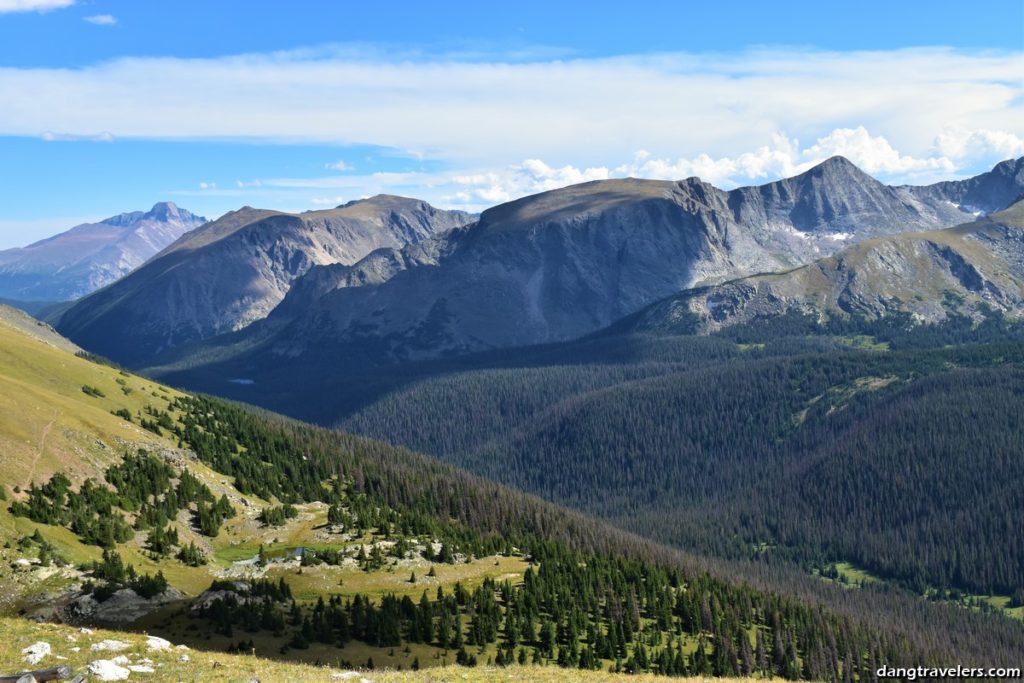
(888, 446)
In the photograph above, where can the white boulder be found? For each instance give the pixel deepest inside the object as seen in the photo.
(109, 646)
(106, 670)
(36, 652)
(156, 644)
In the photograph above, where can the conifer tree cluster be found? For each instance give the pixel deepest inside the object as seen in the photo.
(575, 611)
(141, 486)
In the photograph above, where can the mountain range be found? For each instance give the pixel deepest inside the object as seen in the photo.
(92, 255)
(971, 270)
(236, 269)
(565, 263)
(542, 269)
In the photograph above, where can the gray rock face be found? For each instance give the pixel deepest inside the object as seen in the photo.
(565, 263)
(123, 607)
(90, 256)
(376, 268)
(545, 267)
(985, 193)
(834, 205)
(236, 269)
(968, 270)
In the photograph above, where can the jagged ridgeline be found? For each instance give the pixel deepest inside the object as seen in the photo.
(497, 576)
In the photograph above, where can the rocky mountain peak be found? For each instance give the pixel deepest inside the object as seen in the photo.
(162, 212)
(165, 211)
(381, 200)
(91, 255)
(837, 164)
(837, 173)
(1010, 167)
(401, 280)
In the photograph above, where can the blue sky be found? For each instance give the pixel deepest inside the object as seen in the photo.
(112, 106)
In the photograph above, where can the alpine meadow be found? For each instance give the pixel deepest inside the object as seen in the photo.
(522, 343)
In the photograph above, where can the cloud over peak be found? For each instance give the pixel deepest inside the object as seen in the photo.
(783, 157)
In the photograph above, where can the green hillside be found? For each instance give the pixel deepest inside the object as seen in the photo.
(227, 530)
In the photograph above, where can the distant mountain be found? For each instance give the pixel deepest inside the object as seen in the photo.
(236, 269)
(565, 263)
(970, 270)
(92, 255)
(988, 192)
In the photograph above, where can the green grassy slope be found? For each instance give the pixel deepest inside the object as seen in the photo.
(47, 422)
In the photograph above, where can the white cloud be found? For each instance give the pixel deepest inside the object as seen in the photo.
(784, 157)
(478, 114)
(499, 130)
(50, 136)
(529, 177)
(203, 185)
(101, 19)
(873, 154)
(327, 201)
(481, 187)
(33, 5)
(969, 145)
(781, 158)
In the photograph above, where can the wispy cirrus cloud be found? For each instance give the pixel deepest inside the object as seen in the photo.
(50, 136)
(101, 19)
(583, 111)
(10, 6)
(494, 129)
